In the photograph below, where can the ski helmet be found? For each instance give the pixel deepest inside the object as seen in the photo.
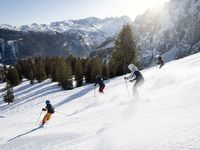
(98, 76)
(132, 67)
(47, 102)
(158, 56)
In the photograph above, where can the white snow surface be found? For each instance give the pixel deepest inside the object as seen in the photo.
(166, 117)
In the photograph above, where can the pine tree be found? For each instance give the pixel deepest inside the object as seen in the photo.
(111, 70)
(96, 68)
(48, 66)
(32, 76)
(125, 52)
(65, 75)
(115, 65)
(55, 69)
(12, 77)
(30, 70)
(40, 70)
(105, 72)
(23, 67)
(19, 70)
(79, 73)
(87, 70)
(9, 96)
(1, 74)
(71, 60)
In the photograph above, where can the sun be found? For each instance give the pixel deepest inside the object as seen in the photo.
(135, 7)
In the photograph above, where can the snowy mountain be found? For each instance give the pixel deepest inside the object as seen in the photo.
(90, 24)
(77, 37)
(104, 51)
(166, 117)
(172, 30)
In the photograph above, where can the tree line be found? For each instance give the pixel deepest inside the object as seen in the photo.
(59, 69)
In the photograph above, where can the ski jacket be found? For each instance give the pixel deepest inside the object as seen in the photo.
(160, 60)
(135, 75)
(99, 81)
(49, 109)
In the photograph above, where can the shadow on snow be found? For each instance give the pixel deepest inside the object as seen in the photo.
(20, 135)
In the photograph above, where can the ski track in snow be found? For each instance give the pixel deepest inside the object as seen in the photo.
(166, 117)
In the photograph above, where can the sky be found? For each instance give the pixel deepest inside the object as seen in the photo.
(21, 12)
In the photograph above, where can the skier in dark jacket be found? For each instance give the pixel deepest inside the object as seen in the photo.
(99, 81)
(50, 110)
(135, 75)
(160, 61)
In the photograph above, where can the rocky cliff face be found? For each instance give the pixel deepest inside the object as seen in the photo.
(173, 30)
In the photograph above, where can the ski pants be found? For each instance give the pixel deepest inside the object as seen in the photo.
(46, 118)
(161, 64)
(101, 88)
(137, 84)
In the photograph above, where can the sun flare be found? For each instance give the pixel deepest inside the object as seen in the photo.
(134, 7)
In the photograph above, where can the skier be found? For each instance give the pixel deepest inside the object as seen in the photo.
(160, 61)
(50, 110)
(137, 76)
(99, 81)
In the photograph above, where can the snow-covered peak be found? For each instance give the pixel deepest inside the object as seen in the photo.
(88, 24)
(9, 27)
(61, 38)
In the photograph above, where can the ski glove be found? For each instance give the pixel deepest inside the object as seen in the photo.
(43, 109)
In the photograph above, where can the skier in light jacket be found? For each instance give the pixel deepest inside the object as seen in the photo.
(135, 75)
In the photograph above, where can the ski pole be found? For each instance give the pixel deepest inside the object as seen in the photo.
(38, 117)
(94, 92)
(127, 88)
(61, 113)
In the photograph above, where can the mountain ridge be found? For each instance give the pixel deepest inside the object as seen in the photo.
(72, 37)
(89, 23)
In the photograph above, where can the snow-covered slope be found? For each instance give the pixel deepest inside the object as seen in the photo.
(166, 117)
(172, 30)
